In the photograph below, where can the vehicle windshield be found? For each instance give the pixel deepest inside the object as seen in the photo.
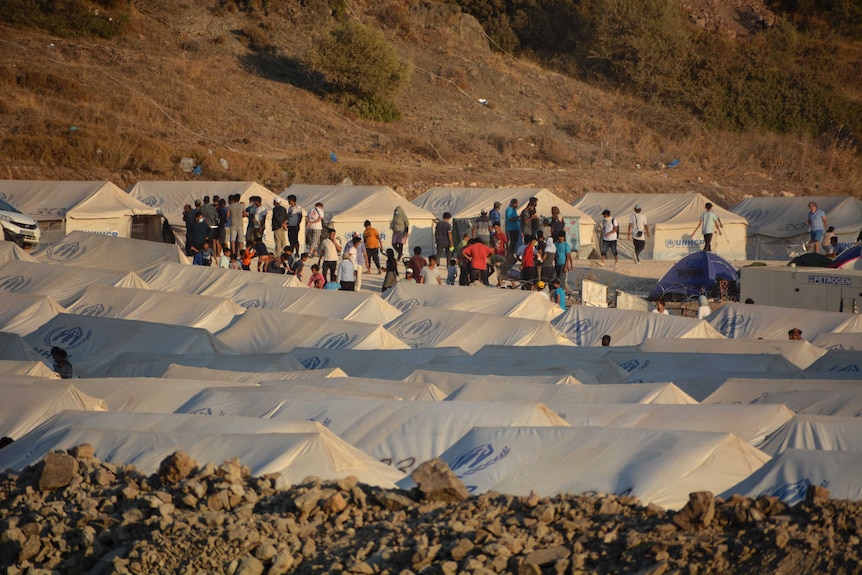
(7, 207)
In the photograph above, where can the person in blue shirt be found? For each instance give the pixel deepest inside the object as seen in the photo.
(494, 215)
(709, 223)
(563, 258)
(513, 226)
(558, 296)
(816, 224)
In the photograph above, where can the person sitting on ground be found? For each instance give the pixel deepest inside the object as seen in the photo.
(794, 334)
(234, 263)
(299, 265)
(606, 340)
(316, 280)
(61, 363)
(277, 265)
(408, 277)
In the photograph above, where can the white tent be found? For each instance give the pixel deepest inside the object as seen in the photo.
(65, 284)
(789, 475)
(23, 313)
(10, 367)
(751, 321)
(813, 397)
(640, 362)
(227, 376)
(467, 203)
(799, 353)
(88, 250)
(557, 395)
(62, 207)
(382, 363)
(830, 341)
(657, 466)
(837, 363)
(11, 251)
(671, 219)
(364, 307)
(264, 331)
(823, 432)
(506, 303)
(205, 312)
(137, 364)
(424, 327)
(171, 196)
(347, 207)
(699, 383)
(778, 226)
(26, 405)
(13, 347)
(147, 394)
(586, 325)
(296, 449)
(94, 342)
(449, 382)
(211, 281)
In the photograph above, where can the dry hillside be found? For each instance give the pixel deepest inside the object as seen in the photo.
(202, 79)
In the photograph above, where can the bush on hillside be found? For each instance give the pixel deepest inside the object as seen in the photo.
(67, 18)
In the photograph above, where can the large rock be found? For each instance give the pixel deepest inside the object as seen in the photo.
(58, 471)
(176, 467)
(697, 513)
(438, 482)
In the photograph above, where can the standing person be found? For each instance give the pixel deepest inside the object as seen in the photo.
(391, 277)
(314, 229)
(477, 254)
(498, 243)
(816, 224)
(703, 308)
(431, 273)
(558, 296)
(528, 262)
(563, 258)
(198, 234)
(371, 238)
(513, 227)
(236, 212)
(252, 229)
(417, 262)
(61, 363)
(443, 237)
(557, 223)
(482, 228)
(330, 248)
(294, 219)
(638, 232)
(709, 224)
(463, 264)
(211, 219)
(279, 224)
(359, 257)
(346, 274)
(549, 260)
(610, 233)
(189, 220)
(530, 221)
(494, 215)
(400, 226)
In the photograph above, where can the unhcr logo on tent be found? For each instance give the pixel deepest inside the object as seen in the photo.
(634, 364)
(314, 362)
(407, 304)
(14, 283)
(96, 310)
(683, 243)
(851, 368)
(578, 328)
(441, 204)
(730, 325)
(251, 303)
(477, 459)
(335, 341)
(151, 201)
(67, 337)
(755, 215)
(418, 329)
(66, 252)
(791, 493)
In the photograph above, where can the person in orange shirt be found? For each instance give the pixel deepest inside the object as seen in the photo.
(371, 237)
(246, 256)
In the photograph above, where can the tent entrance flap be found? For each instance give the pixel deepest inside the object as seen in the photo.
(147, 228)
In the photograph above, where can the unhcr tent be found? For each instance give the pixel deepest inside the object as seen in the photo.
(23, 313)
(227, 376)
(295, 449)
(205, 312)
(507, 303)
(146, 394)
(852, 341)
(838, 362)
(789, 475)
(137, 364)
(586, 325)
(65, 284)
(555, 396)
(823, 432)
(465, 205)
(13, 347)
(671, 219)
(810, 396)
(449, 382)
(700, 273)
(423, 327)
(170, 197)
(382, 363)
(26, 405)
(752, 321)
(11, 251)
(364, 307)
(211, 281)
(9, 367)
(640, 362)
(656, 466)
(799, 353)
(83, 249)
(94, 342)
(778, 226)
(264, 331)
(346, 208)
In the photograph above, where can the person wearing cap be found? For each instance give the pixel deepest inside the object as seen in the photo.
(279, 224)
(540, 287)
(709, 223)
(638, 232)
(482, 228)
(443, 237)
(610, 232)
(346, 273)
(408, 277)
(494, 214)
(794, 334)
(558, 296)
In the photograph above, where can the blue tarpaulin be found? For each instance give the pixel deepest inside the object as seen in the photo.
(694, 275)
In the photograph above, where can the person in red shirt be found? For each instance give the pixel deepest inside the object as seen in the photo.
(477, 254)
(528, 262)
(500, 241)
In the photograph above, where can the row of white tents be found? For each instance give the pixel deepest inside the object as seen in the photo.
(756, 228)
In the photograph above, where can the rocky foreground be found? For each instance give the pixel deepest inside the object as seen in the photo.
(72, 513)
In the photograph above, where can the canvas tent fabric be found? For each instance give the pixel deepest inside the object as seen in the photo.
(467, 204)
(556, 395)
(656, 466)
(449, 382)
(386, 364)
(64, 284)
(671, 218)
(777, 226)
(24, 313)
(295, 449)
(846, 362)
(138, 364)
(346, 208)
(171, 196)
(11, 251)
(13, 347)
(789, 475)
(26, 405)
(225, 375)
(696, 274)
(94, 342)
(821, 432)
(830, 340)
(62, 207)
(507, 303)
(9, 367)
(211, 281)
(146, 394)
(83, 249)
(586, 325)
(752, 321)
(205, 312)
(424, 327)
(699, 383)
(641, 362)
(799, 353)
(805, 396)
(263, 331)
(364, 307)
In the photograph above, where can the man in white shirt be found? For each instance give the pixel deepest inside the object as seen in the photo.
(659, 308)
(330, 248)
(430, 274)
(314, 229)
(347, 274)
(638, 232)
(610, 233)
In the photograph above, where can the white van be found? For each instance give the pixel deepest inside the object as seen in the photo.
(17, 227)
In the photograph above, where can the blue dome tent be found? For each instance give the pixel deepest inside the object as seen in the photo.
(700, 273)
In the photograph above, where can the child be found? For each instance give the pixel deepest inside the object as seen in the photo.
(204, 256)
(299, 266)
(224, 259)
(246, 256)
(263, 256)
(234, 263)
(317, 280)
(558, 296)
(452, 272)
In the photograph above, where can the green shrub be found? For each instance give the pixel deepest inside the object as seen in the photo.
(376, 110)
(66, 18)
